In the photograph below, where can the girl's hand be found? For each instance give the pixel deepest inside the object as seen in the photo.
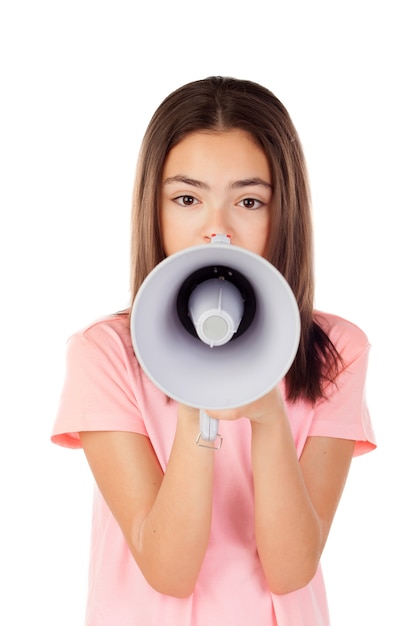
(267, 409)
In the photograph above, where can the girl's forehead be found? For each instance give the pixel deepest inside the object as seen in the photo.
(228, 150)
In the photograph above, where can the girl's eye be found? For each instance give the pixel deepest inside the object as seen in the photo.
(185, 200)
(251, 203)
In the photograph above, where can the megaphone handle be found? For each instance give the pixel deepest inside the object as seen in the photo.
(208, 426)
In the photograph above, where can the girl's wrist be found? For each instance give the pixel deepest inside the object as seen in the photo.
(189, 419)
(270, 421)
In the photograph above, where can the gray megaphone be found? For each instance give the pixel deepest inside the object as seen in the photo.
(215, 326)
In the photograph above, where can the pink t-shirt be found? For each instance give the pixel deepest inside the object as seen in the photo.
(105, 389)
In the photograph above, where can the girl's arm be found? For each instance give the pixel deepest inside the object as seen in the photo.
(295, 501)
(160, 524)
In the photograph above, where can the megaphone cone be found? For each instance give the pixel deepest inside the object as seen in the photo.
(248, 343)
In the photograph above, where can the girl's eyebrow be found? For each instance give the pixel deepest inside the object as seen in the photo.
(251, 182)
(186, 180)
(237, 184)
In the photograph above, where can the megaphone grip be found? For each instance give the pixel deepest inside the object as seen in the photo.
(208, 431)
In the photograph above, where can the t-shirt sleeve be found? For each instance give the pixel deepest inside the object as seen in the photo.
(98, 391)
(344, 413)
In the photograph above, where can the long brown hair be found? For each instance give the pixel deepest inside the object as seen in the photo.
(220, 104)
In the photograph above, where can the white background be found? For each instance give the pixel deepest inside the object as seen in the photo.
(79, 82)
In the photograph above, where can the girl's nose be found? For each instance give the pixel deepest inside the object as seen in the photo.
(216, 224)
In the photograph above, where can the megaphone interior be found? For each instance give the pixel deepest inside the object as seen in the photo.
(215, 326)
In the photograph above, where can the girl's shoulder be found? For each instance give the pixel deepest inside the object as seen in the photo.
(110, 327)
(105, 340)
(348, 338)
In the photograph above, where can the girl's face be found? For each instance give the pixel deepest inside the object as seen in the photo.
(216, 183)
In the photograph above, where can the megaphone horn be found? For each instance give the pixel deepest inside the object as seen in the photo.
(203, 318)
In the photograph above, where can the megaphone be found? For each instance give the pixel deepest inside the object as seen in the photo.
(215, 326)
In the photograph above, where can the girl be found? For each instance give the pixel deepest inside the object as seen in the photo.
(184, 535)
